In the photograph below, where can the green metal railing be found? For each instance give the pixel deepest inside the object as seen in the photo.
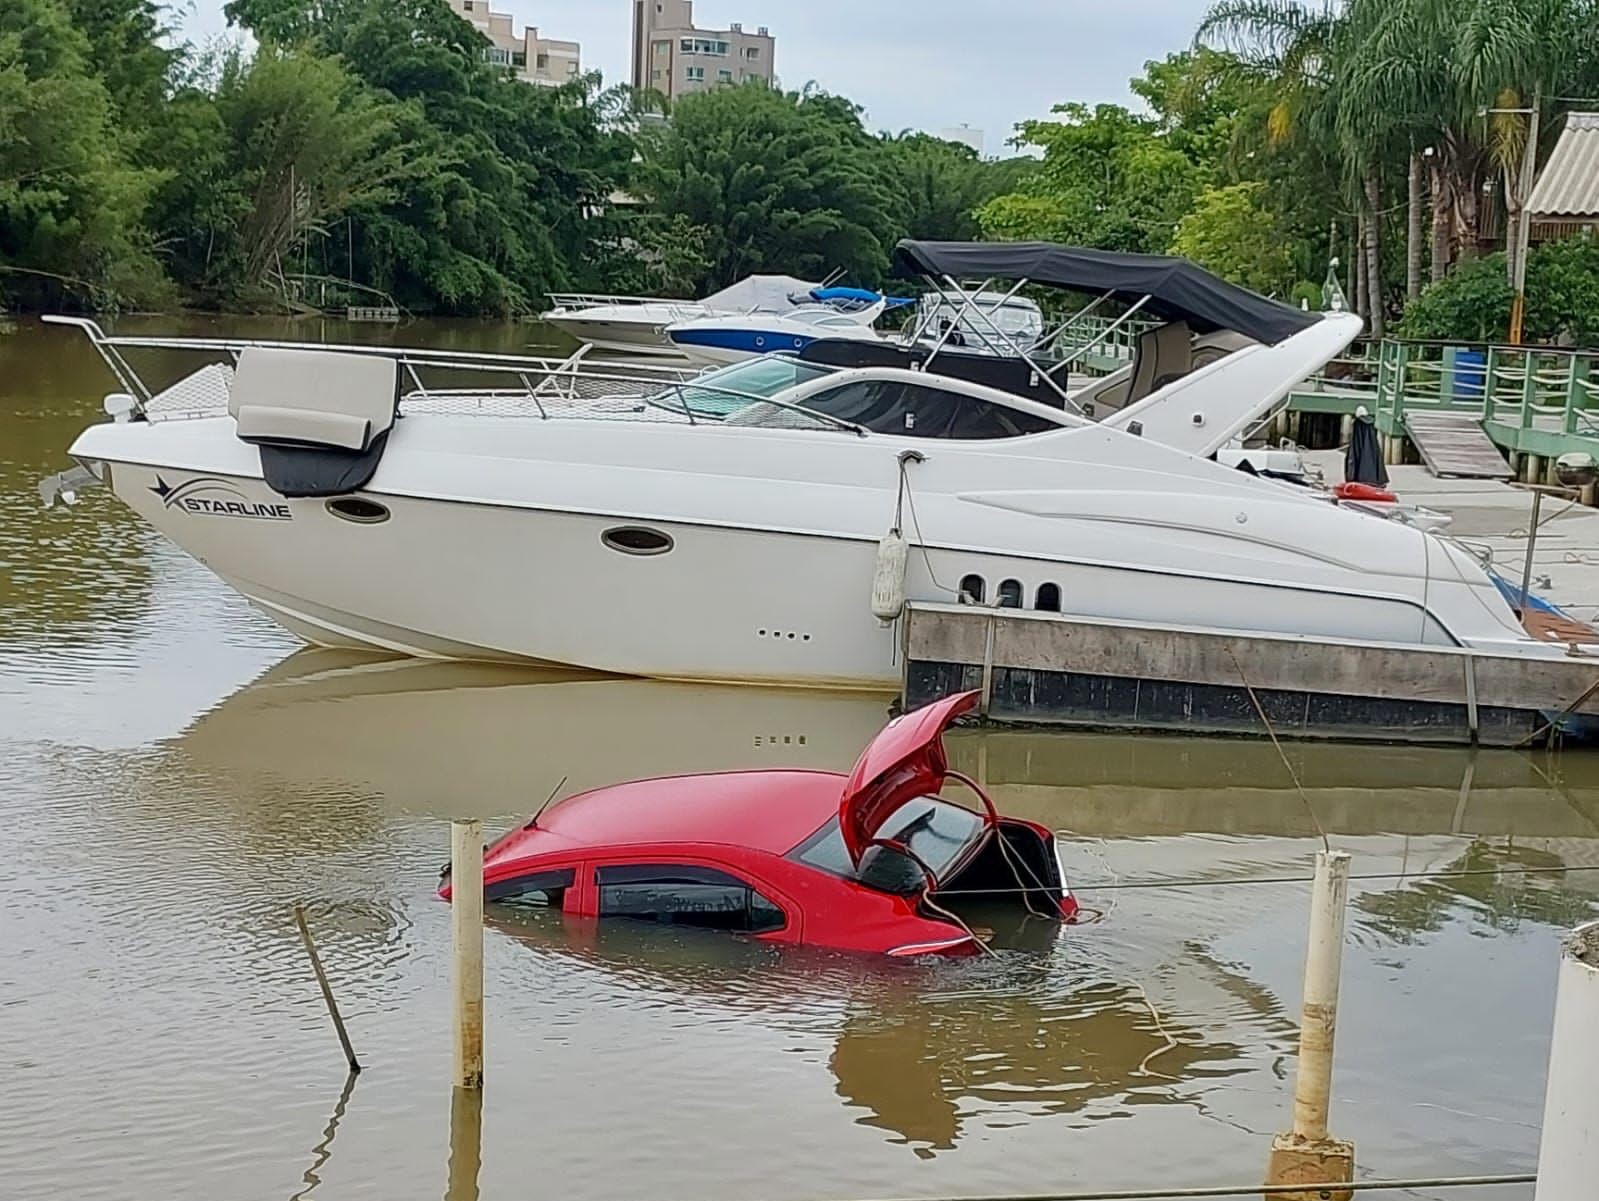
(1531, 400)
(1535, 400)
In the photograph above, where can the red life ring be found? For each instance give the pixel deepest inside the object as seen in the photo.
(1364, 492)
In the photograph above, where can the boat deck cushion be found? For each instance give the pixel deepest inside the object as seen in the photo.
(306, 427)
(313, 398)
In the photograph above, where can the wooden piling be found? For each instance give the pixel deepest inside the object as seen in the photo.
(1568, 1152)
(1307, 1154)
(466, 1144)
(327, 989)
(466, 909)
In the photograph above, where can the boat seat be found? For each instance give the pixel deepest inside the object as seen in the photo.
(1161, 355)
(321, 418)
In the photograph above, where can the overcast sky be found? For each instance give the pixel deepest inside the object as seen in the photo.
(921, 64)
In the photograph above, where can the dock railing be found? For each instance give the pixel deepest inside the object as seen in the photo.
(1538, 400)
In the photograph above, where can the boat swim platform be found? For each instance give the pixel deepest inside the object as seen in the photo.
(1046, 669)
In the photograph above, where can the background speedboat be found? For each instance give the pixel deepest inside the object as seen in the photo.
(637, 325)
(714, 341)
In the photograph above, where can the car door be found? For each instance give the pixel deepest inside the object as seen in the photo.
(682, 890)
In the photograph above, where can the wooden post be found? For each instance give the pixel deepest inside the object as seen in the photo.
(1568, 1152)
(466, 1144)
(466, 908)
(1307, 1154)
(327, 989)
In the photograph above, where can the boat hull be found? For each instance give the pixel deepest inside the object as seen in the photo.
(493, 582)
(625, 334)
(442, 579)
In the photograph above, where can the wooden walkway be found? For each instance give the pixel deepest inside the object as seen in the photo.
(1454, 444)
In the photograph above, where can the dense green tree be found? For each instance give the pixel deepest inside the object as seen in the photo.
(781, 182)
(71, 204)
(1231, 232)
(1108, 178)
(1473, 304)
(941, 184)
(509, 185)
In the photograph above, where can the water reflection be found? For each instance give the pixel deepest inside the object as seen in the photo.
(63, 572)
(323, 1151)
(481, 740)
(924, 1050)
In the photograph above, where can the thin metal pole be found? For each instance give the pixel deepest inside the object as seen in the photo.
(466, 911)
(1529, 164)
(327, 990)
(1532, 542)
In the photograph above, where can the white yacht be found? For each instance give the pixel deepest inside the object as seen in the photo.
(716, 341)
(728, 527)
(638, 324)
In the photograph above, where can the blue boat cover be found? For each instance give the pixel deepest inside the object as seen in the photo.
(863, 297)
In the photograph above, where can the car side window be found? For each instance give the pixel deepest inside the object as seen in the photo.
(686, 895)
(918, 411)
(539, 890)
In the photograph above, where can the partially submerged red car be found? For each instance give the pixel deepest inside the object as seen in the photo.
(872, 861)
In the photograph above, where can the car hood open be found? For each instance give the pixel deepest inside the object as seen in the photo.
(903, 762)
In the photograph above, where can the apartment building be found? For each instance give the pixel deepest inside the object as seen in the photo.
(535, 59)
(671, 55)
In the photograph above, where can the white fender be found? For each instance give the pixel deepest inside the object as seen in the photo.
(888, 581)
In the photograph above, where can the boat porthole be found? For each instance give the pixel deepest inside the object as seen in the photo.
(759, 342)
(637, 540)
(354, 508)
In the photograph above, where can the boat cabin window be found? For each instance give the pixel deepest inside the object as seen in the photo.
(918, 411)
(972, 590)
(540, 890)
(1048, 600)
(726, 391)
(1010, 594)
(936, 832)
(686, 895)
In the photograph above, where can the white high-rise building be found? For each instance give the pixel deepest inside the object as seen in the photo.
(535, 59)
(674, 57)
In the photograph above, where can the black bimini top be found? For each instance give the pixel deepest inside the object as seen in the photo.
(1177, 290)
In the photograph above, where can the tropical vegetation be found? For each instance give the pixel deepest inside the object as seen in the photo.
(369, 146)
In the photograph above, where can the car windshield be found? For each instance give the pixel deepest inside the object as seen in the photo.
(727, 390)
(936, 832)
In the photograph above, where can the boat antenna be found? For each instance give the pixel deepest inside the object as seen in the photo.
(554, 792)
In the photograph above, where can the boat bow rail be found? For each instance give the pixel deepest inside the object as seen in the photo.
(463, 383)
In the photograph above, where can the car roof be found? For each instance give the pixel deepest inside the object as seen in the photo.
(771, 811)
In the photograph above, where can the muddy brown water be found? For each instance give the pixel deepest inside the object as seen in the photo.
(176, 773)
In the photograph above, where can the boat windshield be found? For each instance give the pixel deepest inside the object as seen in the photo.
(725, 391)
(1016, 317)
(937, 833)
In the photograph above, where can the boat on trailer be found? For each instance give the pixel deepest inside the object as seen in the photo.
(767, 527)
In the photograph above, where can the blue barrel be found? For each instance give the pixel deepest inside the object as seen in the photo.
(1471, 371)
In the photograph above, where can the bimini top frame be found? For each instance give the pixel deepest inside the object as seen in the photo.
(1169, 289)
(1172, 289)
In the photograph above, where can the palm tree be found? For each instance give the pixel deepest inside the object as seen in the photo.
(1450, 75)
(1299, 50)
